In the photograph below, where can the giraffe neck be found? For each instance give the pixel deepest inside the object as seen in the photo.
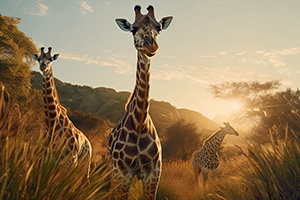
(50, 98)
(215, 140)
(138, 104)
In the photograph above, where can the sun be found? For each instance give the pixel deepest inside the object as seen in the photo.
(235, 106)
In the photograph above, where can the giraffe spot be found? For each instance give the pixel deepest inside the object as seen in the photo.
(122, 155)
(122, 136)
(48, 85)
(130, 125)
(152, 151)
(130, 162)
(132, 138)
(109, 140)
(50, 99)
(138, 115)
(145, 159)
(72, 140)
(131, 150)
(52, 115)
(153, 186)
(52, 107)
(142, 93)
(66, 124)
(143, 143)
(119, 146)
(115, 163)
(142, 66)
(116, 155)
(48, 91)
(143, 85)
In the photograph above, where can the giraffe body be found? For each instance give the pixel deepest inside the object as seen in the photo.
(133, 146)
(207, 158)
(58, 125)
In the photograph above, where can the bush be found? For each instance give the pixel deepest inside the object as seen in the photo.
(180, 141)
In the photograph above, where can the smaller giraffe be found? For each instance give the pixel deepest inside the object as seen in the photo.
(58, 125)
(207, 158)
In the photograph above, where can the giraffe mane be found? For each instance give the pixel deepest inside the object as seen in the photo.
(210, 137)
(129, 99)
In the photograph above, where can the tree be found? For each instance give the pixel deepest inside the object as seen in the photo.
(181, 140)
(15, 58)
(269, 107)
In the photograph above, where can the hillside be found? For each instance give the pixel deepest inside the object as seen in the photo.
(108, 103)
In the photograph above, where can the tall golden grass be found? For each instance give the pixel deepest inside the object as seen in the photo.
(28, 170)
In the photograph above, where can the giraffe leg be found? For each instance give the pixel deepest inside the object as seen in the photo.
(122, 183)
(205, 175)
(197, 171)
(150, 185)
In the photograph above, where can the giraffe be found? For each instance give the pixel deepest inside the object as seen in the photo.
(133, 145)
(58, 125)
(207, 158)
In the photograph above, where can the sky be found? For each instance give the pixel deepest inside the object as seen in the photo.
(208, 42)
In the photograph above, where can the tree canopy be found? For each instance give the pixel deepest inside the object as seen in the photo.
(15, 57)
(265, 104)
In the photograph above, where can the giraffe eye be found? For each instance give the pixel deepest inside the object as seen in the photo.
(134, 30)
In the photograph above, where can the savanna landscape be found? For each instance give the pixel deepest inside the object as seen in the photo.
(262, 162)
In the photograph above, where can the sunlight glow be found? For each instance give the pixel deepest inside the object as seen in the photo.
(235, 106)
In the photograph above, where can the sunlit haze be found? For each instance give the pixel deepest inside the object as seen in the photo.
(208, 42)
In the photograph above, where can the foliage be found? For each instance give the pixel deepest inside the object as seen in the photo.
(181, 140)
(275, 172)
(28, 170)
(267, 107)
(15, 57)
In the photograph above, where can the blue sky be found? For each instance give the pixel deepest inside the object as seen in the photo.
(208, 42)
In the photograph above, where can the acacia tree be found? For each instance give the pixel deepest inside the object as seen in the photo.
(15, 58)
(265, 104)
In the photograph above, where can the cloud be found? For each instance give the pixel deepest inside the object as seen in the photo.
(120, 66)
(39, 9)
(85, 8)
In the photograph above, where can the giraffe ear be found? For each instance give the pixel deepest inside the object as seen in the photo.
(165, 22)
(124, 24)
(55, 56)
(35, 56)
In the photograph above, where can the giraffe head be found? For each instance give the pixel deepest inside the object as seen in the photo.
(45, 60)
(229, 130)
(145, 30)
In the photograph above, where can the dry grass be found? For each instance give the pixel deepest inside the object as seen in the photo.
(178, 182)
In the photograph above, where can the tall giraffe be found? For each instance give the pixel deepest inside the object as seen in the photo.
(58, 124)
(133, 145)
(207, 158)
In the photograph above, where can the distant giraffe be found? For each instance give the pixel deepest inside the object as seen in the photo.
(58, 125)
(133, 145)
(207, 158)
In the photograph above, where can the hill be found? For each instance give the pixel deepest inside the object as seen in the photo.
(109, 104)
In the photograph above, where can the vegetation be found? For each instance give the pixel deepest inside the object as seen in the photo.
(180, 141)
(30, 171)
(15, 58)
(264, 104)
(266, 168)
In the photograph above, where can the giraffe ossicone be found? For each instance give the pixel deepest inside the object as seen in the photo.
(58, 125)
(207, 158)
(133, 146)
